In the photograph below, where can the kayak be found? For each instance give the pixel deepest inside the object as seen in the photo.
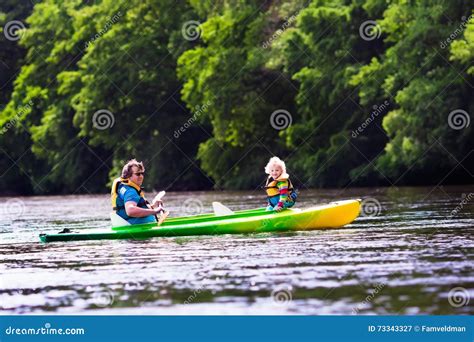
(331, 215)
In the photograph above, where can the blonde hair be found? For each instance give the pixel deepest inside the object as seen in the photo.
(127, 168)
(275, 161)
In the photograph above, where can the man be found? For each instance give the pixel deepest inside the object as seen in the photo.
(128, 197)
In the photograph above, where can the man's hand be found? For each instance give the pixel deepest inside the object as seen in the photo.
(157, 203)
(158, 209)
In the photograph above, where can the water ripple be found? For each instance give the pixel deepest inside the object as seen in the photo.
(403, 261)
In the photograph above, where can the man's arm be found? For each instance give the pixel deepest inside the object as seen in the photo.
(133, 210)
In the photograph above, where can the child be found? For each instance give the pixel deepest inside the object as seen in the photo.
(280, 192)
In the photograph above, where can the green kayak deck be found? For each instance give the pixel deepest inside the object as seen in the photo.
(332, 215)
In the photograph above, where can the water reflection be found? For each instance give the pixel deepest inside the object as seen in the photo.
(406, 260)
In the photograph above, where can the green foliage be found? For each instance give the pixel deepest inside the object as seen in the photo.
(426, 87)
(462, 50)
(16, 160)
(112, 56)
(364, 110)
(229, 71)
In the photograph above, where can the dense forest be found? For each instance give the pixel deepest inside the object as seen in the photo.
(348, 93)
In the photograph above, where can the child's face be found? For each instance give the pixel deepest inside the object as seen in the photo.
(275, 171)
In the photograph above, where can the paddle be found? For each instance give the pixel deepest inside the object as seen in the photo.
(163, 217)
(221, 210)
(159, 196)
(164, 213)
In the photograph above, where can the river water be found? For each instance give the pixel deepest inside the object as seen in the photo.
(413, 254)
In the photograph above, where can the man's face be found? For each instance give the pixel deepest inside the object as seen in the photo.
(137, 175)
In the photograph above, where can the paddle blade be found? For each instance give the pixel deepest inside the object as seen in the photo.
(221, 210)
(163, 217)
(159, 196)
